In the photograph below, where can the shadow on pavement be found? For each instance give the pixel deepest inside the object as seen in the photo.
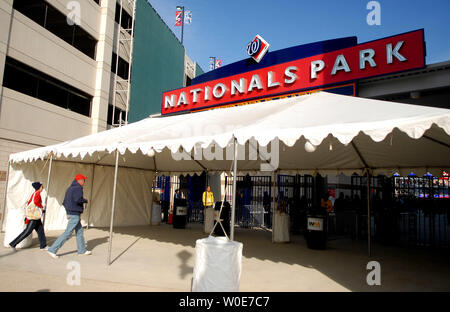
(345, 261)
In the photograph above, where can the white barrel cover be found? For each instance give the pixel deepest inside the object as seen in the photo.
(208, 222)
(156, 214)
(281, 227)
(14, 226)
(218, 264)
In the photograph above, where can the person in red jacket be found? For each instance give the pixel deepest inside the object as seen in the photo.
(33, 224)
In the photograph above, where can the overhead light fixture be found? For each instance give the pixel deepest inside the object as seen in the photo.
(309, 147)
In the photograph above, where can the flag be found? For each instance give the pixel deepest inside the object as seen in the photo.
(218, 63)
(188, 17)
(178, 18)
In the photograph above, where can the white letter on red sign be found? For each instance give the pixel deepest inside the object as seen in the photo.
(255, 83)
(239, 87)
(390, 52)
(316, 66)
(222, 92)
(182, 99)
(366, 56)
(340, 64)
(169, 101)
(270, 80)
(289, 74)
(194, 93)
(207, 93)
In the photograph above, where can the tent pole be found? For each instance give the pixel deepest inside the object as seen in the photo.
(90, 197)
(6, 193)
(113, 206)
(274, 177)
(48, 188)
(234, 191)
(368, 214)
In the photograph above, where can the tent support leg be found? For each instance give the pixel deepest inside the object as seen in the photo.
(113, 206)
(48, 188)
(369, 234)
(6, 193)
(234, 191)
(90, 197)
(274, 183)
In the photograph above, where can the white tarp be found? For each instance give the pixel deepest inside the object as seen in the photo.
(133, 198)
(342, 129)
(218, 265)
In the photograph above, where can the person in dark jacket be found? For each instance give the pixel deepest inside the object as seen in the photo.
(73, 203)
(33, 224)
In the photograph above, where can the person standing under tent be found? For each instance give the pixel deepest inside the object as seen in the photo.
(33, 224)
(73, 203)
(208, 212)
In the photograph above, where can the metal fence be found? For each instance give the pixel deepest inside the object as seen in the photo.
(411, 211)
(253, 200)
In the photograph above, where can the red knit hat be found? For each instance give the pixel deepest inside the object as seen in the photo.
(80, 177)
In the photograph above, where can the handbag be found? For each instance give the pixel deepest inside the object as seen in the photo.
(33, 212)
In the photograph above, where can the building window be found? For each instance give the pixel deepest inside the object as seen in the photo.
(123, 67)
(56, 22)
(117, 115)
(97, 1)
(25, 79)
(127, 20)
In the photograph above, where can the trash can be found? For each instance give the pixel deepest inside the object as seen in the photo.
(316, 231)
(179, 213)
(225, 216)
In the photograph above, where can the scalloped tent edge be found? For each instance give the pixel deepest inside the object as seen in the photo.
(348, 135)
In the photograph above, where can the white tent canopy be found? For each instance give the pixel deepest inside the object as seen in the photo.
(344, 129)
(319, 133)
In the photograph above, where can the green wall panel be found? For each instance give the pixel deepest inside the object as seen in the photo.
(158, 63)
(198, 70)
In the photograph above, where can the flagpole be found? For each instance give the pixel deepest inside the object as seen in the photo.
(182, 24)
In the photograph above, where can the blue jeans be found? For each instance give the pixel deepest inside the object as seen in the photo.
(73, 224)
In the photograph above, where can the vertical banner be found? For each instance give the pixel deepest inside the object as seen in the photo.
(188, 17)
(178, 18)
(218, 63)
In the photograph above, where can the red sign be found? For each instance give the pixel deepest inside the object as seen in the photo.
(389, 55)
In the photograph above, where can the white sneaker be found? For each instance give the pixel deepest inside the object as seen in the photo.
(54, 256)
(87, 252)
(46, 248)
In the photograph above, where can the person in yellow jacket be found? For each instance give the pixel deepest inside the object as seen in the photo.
(208, 212)
(208, 197)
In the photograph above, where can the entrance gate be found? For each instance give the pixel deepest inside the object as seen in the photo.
(410, 211)
(295, 197)
(253, 200)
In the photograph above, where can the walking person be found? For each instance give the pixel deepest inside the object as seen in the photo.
(33, 224)
(73, 203)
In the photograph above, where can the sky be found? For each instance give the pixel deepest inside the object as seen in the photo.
(224, 28)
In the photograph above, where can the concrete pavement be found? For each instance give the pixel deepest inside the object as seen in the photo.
(161, 258)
